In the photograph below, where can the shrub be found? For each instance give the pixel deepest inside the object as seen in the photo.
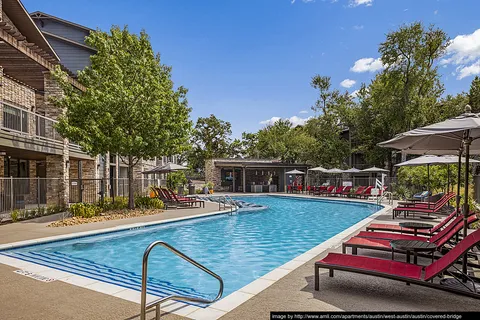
(14, 215)
(85, 210)
(175, 179)
(117, 203)
(148, 203)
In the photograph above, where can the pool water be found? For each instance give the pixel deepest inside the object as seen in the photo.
(240, 248)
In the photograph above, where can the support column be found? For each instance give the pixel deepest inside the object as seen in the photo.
(32, 197)
(244, 180)
(233, 180)
(58, 179)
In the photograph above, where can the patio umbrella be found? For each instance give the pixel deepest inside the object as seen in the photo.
(295, 172)
(432, 159)
(334, 170)
(460, 134)
(352, 170)
(374, 169)
(169, 167)
(321, 169)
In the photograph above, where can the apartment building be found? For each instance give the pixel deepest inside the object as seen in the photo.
(37, 165)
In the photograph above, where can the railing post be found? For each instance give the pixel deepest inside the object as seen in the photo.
(11, 194)
(102, 191)
(38, 192)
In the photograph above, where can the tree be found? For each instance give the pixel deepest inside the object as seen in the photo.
(250, 145)
(405, 94)
(474, 95)
(282, 141)
(130, 107)
(211, 139)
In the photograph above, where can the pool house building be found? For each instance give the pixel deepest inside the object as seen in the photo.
(252, 175)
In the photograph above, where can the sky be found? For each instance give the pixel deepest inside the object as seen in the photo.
(250, 62)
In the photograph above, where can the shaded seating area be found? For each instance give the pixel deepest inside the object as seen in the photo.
(422, 207)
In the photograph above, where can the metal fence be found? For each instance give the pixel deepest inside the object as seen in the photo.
(29, 193)
(355, 181)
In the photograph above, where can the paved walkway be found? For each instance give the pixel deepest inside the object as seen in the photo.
(25, 298)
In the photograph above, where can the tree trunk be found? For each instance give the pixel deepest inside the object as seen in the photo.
(131, 199)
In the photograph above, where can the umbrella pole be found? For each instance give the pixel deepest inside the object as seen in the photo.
(448, 178)
(466, 208)
(459, 179)
(428, 177)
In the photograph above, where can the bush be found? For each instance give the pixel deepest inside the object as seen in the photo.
(85, 210)
(148, 203)
(117, 203)
(14, 215)
(175, 179)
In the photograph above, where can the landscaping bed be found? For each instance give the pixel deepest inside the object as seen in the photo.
(110, 215)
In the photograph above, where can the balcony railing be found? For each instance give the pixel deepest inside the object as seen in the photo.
(30, 124)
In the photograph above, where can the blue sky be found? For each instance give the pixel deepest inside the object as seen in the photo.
(247, 61)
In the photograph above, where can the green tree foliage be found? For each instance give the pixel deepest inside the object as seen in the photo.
(282, 141)
(405, 94)
(175, 179)
(130, 106)
(250, 145)
(474, 95)
(211, 139)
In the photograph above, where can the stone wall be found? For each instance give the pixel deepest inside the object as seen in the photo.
(18, 94)
(213, 174)
(32, 196)
(57, 179)
(2, 166)
(44, 104)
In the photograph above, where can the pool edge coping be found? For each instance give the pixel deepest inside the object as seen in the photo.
(213, 311)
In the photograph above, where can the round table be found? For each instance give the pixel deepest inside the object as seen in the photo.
(413, 246)
(415, 226)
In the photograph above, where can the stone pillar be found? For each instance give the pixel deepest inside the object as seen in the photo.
(213, 173)
(32, 197)
(58, 189)
(1, 88)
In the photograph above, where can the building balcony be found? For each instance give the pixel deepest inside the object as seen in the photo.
(29, 130)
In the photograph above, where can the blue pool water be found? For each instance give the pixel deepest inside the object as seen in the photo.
(240, 248)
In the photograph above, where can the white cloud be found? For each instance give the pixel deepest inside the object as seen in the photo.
(303, 112)
(435, 12)
(296, 121)
(356, 3)
(348, 83)
(359, 27)
(367, 65)
(305, 1)
(463, 48)
(464, 52)
(405, 10)
(470, 70)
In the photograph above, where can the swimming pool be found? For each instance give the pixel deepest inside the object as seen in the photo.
(240, 248)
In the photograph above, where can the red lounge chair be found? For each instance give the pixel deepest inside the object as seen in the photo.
(366, 193)
(319, 190)
(422, 208)
(440, 239)
(185, 200)
(338, 191)
(346, 191)
(397, 228)
(359, 191)
(403, 271)
(329, 190)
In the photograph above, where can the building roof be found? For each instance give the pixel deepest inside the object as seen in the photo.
(42, 15)
(15, 10)
(229, 162)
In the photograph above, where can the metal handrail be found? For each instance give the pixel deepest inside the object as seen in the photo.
(156, 303)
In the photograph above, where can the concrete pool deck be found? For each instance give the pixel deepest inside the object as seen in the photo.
(26, 298)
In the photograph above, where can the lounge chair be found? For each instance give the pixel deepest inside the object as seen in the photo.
(422, 195)
(423, 207)
(184, 200)
(382, 244)
(359, 191)
(318, 190)
(346, 191)
(328, 191)
(337, 191)
(406, 272)
(367, 192)
(397, 228)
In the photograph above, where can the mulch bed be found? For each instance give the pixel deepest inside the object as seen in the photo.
(111, 215)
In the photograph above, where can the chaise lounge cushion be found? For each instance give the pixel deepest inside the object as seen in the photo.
(390, 267)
